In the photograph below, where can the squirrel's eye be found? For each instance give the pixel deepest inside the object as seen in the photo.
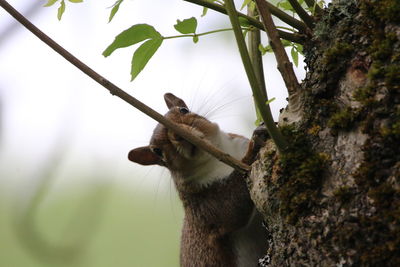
(183, 110)
(157, 151)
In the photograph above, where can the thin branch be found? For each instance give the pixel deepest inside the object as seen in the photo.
(308, 20)
(276, 11)
(311, 4)
(114, 90)
(264, 109)
(284, 65)
(254, 40)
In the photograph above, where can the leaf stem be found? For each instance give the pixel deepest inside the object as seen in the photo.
(276, 11)
(197, 34)
(265, 111)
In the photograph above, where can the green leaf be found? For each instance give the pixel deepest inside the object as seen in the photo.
(286, 6)
(135, 34)
(61, 10)
(286, 43)
(76, 1)
(50, 2)
(186, 26)
(205, 9)
(195, 39)
(245, 3)
(264, 49)
(143, 54)
(114, 10)
(295, 56)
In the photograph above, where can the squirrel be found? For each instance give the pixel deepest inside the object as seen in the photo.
(221, 225)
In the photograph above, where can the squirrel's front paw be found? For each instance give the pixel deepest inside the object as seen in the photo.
(260, 135)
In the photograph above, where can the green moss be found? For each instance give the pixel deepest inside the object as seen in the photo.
(384, 10)
(335, 54)
(343, 119)
(380, 230)
(300, 179)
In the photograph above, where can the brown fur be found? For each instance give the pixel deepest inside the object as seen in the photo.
(216, 214)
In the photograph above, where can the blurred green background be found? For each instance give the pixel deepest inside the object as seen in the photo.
(124, 228)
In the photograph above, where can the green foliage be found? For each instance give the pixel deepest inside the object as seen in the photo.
(61, 8)
(143, 54)
(114, 9)
(136, 34)
(186, 26)
(294, 51)
(131, 228)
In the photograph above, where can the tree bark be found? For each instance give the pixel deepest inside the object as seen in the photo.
(334, 198)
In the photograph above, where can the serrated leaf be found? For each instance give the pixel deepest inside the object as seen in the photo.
(50, 3)
(114, 10)
(61, 10)
(245, 3)
(295, 56)
(143, 54)
(76, 1)
(135, 34)
(186, 26)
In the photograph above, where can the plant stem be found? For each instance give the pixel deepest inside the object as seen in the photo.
(265, 111)
(308, 20)
(254, 40)
(197, 34)
(277, 12)
(285, 67)
(114, 90)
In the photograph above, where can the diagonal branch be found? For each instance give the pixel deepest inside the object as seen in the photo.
(284, 65)
(114, 90)
(297, 24)
(308, 20)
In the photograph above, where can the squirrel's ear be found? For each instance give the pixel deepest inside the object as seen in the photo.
(173, 101)
(144, 156)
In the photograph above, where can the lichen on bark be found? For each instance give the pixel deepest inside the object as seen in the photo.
(334, 199)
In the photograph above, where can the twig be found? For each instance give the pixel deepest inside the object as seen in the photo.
(276, 11)
(265, 111)
(114, 90)
(254, 40)
(308, 20)
(284, 65)
(315, 6)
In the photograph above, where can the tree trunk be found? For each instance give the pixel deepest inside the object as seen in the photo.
(334, 198)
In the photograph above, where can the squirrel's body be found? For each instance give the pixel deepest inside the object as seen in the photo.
(221, 226)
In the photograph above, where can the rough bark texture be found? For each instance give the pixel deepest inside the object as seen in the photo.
(334, 198)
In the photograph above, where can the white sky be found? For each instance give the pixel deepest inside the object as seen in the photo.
(46, 101)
